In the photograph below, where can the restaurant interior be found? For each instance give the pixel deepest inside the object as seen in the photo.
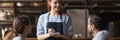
(79, 10)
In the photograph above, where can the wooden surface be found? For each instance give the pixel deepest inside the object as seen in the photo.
(81, 38)
(72, 39)
(116, 38)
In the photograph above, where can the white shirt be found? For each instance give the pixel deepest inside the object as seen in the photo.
(102, 35)
(19, 37)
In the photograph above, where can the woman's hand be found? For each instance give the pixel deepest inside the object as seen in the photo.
(45, 36)
(51, 31)
(58, 35)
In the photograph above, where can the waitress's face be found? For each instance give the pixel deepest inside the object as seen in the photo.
(55, 5)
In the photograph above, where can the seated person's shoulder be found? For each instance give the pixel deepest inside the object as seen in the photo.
(19, 37)
(105, 32)
(105, 35)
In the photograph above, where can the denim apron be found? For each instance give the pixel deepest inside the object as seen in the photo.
(57, 26)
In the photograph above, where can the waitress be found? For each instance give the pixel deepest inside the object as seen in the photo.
(54, 25)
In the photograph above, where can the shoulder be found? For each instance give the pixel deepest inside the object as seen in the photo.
(104, 33)
(44, 15)
(65, 15)
(19, 37)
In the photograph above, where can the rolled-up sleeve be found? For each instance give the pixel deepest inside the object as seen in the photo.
(40, 29)
(69, 27)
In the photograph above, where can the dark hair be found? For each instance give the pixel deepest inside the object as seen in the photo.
(19, 24)
(98, 22)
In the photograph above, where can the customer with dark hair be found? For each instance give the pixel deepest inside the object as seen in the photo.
(97, 28)
(21, 27)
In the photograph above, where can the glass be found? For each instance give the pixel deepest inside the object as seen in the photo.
(77, 36)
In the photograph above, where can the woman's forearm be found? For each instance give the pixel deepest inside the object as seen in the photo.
(43, 37)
